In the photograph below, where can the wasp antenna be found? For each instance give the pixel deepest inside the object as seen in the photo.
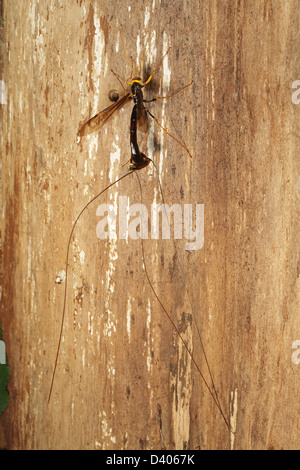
(150, 78)
(151, 44)
(126, 53)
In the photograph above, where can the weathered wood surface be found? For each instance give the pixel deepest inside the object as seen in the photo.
(124, 380)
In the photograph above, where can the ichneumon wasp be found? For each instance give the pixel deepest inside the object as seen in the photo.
(138, 160)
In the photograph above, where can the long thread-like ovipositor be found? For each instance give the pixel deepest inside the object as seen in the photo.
(213, 391)
(66, 278)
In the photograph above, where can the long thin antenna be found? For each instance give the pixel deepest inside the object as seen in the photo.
(126, 53)
(157, 67)
(149, 47)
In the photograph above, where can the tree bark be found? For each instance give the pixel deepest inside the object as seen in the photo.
(124, 379)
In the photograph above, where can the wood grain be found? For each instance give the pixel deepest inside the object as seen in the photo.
(124, 380)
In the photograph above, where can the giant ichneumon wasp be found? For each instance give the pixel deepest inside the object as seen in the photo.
(138, 160)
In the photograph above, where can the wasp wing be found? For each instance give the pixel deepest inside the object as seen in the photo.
(96, 122)
(142, 119)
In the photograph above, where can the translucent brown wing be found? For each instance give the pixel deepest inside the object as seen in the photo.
(142, 120)
(100, 119)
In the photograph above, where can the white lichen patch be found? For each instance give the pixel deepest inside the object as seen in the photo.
(60, 277)
(149, 355)
(182, 385)
(128, 317)
(233, 414)
(81, 257)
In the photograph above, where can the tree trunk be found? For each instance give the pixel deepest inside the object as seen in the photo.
(124, 378)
